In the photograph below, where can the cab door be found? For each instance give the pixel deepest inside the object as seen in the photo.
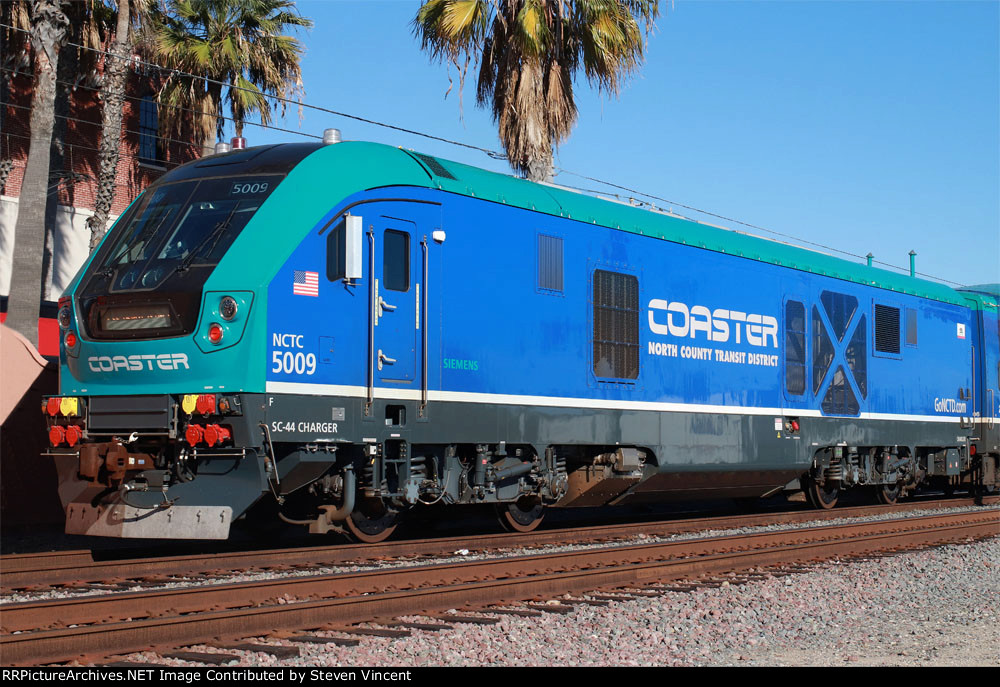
(397, 301)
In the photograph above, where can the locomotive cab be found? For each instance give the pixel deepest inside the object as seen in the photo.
(149, 424)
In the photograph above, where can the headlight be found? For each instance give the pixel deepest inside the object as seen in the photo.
(65, 317)
(228, 308)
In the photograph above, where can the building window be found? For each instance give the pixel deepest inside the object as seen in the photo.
(150, 150)
(616, 325)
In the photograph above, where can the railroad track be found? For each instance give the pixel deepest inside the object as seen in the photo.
(80, 570)
(65, 629)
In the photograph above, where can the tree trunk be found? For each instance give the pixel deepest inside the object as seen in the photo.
(113, 100)
(214, 91)
(48, 31)
(60, 176)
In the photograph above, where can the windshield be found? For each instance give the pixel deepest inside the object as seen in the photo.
(180, 226)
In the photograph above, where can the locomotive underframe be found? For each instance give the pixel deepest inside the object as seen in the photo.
(135, 475)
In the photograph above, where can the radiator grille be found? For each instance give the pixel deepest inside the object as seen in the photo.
(886, 329)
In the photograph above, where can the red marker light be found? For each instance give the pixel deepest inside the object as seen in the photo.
(73, 434)
(215, 332)
(193, 434)
(206, 404)
(795, 425)
(972, 450)
(52, 406)
(216, 434)
(56, 435)
(70, 340)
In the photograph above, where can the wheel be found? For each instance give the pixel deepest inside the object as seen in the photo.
(821, 495)
(372, 521)
(887, 493)
(524, 515)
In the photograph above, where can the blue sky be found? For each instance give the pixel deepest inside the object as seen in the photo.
(863, 126)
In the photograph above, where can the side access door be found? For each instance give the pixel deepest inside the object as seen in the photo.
(398, 234)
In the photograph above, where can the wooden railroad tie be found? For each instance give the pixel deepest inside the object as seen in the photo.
(201, 657)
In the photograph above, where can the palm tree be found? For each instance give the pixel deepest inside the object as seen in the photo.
(242, 49)
(48, 33)
(89, 22)
(528, 53)
(112, 105)
(14, 58)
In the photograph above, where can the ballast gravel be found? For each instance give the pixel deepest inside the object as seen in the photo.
(466, 555)
(936, 607)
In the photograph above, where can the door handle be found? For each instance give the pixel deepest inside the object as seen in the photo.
(382, 305)
(383, 358)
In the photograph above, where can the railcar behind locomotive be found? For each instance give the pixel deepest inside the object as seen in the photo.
(343, 333)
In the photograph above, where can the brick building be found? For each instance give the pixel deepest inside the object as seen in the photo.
(144, 157)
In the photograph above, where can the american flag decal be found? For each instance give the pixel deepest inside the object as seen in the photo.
(305, 283)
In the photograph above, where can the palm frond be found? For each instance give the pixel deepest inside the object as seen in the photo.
(242, 43)
(528, 52)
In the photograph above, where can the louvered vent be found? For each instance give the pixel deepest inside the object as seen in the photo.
(550, 263)
(616, 325)
(436, 167)
(886, 329)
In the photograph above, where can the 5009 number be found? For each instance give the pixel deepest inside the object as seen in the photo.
(293, 363)
(251, 188)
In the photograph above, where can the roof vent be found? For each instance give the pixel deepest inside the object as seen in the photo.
(434, 165)
(222, 147)
(331, 136)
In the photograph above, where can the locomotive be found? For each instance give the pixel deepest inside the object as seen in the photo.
(338, 334)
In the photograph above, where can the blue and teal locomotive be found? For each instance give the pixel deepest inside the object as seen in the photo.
(338, 334)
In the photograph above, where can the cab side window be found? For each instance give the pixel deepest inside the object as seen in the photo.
(396, 260)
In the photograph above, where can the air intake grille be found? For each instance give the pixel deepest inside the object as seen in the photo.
(616, 325)
(886, 329)
(436, 167)
(550, 263)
